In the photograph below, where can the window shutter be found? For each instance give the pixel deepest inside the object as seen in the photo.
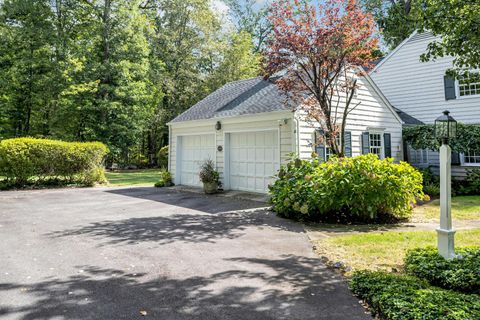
(455, 158)
(449, 85)
(319, 148)
(387, 140)
(365, 142)
(348, 144)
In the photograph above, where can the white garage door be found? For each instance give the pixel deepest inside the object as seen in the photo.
(254, 159)
(194, 150)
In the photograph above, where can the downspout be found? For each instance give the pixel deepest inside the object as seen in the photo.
(170, 148)
(295, 130)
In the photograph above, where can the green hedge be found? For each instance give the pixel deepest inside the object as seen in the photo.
(362, 188)
(397, 297)
(26, 159)
(461, 273)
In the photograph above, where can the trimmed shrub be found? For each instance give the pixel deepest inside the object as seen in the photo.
(359, 189)
(461, 273)
(24, 159)
(398, 297)
(165, 179)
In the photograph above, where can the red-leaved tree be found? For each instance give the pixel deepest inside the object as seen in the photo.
(317, 51)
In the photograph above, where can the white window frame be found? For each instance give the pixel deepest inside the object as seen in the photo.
(382, 143)
(457, 91)
(468, 164)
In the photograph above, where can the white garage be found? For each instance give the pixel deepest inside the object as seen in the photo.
(253, 159)
(192, 151)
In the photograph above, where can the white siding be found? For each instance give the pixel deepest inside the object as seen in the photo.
(371, 113)
(273, 120)
(417, 87)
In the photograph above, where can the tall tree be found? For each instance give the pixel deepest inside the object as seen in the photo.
(238, 61)
(26, 65)
(250, 16)
(457, 22)
(316, 50)
(396, 19)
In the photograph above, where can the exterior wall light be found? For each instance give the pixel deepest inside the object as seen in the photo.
(218, 125)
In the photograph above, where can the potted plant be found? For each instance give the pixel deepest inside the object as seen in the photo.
(209, 176)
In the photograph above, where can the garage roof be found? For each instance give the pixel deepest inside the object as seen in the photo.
(236, 98)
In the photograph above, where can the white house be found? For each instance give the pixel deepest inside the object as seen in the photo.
(422, 90)
(249, 131)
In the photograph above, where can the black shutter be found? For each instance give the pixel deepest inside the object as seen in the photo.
(449, 85)
(365, 142)
(319, 148)
(387, 139)
(455, 158)
(348, 143)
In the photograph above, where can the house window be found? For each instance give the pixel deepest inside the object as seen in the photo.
(418, 156)
(469, 85)
(472, 157)
(376, 144)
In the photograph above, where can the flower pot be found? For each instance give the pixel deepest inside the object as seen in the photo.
(210, 187)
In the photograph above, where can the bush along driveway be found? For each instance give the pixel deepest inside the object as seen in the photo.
(128, 253)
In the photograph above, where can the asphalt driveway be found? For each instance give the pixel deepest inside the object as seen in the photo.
(129, 253)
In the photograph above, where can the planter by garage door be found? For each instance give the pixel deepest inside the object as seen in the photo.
(193, 151)
(253, 160)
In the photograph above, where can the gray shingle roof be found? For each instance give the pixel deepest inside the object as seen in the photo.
(406, 118)
(249, 96)
(237, 98)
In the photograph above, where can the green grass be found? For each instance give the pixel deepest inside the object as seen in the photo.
(133, 177)
(463, 208)
(384, 250)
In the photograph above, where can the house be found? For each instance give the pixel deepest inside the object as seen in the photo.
(422, 90)
(248, 129)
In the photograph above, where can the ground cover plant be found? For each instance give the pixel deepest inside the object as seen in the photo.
(29, 161)
(461, 273)
(400, 297)
(358, 189)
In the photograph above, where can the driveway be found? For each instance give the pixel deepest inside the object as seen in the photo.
(131, 253)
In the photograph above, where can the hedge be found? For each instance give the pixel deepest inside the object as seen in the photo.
(358, 189)
(399, 297)
(461, 273)
(24, 159)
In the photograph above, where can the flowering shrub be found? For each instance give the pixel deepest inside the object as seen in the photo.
(359, 189)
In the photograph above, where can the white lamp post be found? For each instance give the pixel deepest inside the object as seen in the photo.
(445, 128)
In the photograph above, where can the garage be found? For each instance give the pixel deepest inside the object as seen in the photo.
(253, 160)
(193, 150)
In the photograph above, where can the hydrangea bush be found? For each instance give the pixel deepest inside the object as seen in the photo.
(358, 189)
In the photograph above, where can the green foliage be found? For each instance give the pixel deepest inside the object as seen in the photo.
(207, 173)
(456, 22)
(398, 297)
(165, 179)
(362, 188)
(24, 159)
(162, 157)
(468, 186)
(396, 19)
(111, 71)
(432, 190)
(461, 273)
(423, 137)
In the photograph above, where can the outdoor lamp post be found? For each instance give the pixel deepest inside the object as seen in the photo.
(445, 128)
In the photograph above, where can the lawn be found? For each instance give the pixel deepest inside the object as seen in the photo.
(384, 250)
(463, 208)
(377, 247)
(133, 177)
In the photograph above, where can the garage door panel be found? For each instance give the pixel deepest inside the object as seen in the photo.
(193, 152)
(254, 160)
